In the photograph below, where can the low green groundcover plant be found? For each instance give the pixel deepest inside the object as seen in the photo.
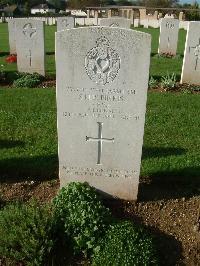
(168, 82)
(39, 235)
(125, 244)
(25, 233)
(83, 215)
(28, 80)
(152, 83)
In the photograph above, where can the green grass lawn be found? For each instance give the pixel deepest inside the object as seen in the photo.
(28, 135)
(159, 66)
(28, 142)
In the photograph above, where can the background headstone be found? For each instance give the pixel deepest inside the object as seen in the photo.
(116, 22)
(136, 23)
(191, 61)
(102, 79)
(12, 35)
(30, 46)
(168, 40)
(64, 23)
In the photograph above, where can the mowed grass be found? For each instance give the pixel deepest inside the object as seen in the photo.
(159, 66)
(28, 136)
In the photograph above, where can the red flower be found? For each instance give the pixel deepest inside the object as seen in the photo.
(11, 58)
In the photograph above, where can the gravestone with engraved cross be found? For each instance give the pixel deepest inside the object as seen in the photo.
(12, 35)
(191, 61)
(64, 23)
(168, 40)
(102, 79)
(30, 46)
(116, 22)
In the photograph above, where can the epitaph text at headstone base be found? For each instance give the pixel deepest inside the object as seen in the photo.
(191, 61)
(12, 35)
(102, 80)
(116, 22)
(30, 46)
(64, 23)
(169, 29)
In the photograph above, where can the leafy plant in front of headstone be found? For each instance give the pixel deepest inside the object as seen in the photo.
(152, 83)
(82, 214)
(28, 80)
(125, 244)
(195, 88)
(168, 82)
(26, 233)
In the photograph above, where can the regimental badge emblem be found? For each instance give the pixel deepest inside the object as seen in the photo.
(102, 63)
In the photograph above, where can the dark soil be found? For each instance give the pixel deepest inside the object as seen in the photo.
(175, 221)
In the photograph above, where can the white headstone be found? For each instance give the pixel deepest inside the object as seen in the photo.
(64, 23)
(12, 37)
(191, 62)
(136, 22)
(154, 23)
(116, 22)
(168, 41)
(102, 79)
(30, 46)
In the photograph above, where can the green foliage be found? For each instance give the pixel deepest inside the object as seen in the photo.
(25, 233)
(168, 82)
(82, 3)
(152, 82)
(158, 3)
(195, 88)
(84, 217)
(125, 244)
(28, 81)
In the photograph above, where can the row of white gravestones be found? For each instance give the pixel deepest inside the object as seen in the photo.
(100, 90)
(116, 22)
(30, 46)
(33, 44)
(168, 40)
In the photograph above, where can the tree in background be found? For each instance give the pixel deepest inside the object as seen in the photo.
(124, 3)
(159, 3)
(22, 2)
(82, 3)
(58, 4)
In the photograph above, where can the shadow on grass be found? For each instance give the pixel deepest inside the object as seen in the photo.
(2, 54)
(6, 144)
(170, 184)
(50, 53)
(155, 152)
(38, 168)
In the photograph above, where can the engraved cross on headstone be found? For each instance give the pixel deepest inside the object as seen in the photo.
(196, 53)
(100, 141)
(28, 30)
(168, 42)
(29, 55)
